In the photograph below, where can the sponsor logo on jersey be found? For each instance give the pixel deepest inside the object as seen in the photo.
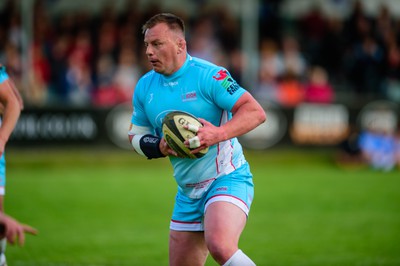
(227, 82)
(189, 96)
(221, 75)
(170, 84)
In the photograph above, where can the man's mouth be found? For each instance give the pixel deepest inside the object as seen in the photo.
(154, 61)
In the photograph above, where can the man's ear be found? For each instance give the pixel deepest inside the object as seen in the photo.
(181, 45)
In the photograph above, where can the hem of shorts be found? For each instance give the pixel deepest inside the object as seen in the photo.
(231, 199)
(186, 226)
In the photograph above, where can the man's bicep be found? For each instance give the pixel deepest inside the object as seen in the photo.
(245, 98)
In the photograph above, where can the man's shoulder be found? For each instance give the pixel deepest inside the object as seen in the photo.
(202, 63)
(147, 79)
(206, 67)
(148, 76)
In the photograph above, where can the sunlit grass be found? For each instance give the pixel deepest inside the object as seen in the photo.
(111, 207)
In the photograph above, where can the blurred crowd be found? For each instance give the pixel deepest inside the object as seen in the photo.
(81, 58)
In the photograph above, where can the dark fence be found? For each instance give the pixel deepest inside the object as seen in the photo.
(306, 124)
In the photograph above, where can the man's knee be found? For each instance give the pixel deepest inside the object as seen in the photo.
(221, 251)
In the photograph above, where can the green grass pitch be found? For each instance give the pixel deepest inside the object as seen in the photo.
(110, 207)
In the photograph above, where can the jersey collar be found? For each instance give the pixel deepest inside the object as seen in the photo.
(180, 70)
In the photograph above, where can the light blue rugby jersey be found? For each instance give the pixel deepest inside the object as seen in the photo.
(3, 77)
(3, 74)
(206, 91)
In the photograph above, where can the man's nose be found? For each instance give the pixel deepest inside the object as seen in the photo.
(149, 51)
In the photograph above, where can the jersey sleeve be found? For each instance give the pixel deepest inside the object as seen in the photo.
(223, 89)
(139, 117)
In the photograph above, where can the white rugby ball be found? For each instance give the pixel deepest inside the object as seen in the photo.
(175, 134)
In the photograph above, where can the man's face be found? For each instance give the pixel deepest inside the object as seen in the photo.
(162, 48)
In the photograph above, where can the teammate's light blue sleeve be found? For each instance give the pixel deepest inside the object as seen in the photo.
(3, 77)
(3, 74)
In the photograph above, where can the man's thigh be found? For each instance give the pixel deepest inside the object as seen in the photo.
(187, 248)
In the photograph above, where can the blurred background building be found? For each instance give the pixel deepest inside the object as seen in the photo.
(314, 64)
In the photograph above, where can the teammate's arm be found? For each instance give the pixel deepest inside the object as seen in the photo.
(11, 104)
(14, 230)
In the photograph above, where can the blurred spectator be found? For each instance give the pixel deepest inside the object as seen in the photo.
(40, 76)
(292, 58)
(378, 148)
(313, 25)
(270, 25)
(367, 70)
(349, 153)
(79, 82)
(267, 89)
(83, 46)
(333, 50)
(317, 88)
(287, 66)
(384, 25)
(203, 43)
(397, 147)
(12, 57)
(358, 24)
(78, 75)
(392, 79)
(106, 93)
(270, 70)
(359, 51)
(270, 60)
(290, 90)
(15, 33)
(107, 40)
(126, 75)
(236, 60)
(226, 28)
(58, 90)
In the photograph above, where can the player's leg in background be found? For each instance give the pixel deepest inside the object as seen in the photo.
(223, 224)
(187, 248)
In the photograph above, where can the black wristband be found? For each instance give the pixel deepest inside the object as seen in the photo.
(150, 146)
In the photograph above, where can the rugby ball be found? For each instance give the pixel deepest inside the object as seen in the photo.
(175, 134)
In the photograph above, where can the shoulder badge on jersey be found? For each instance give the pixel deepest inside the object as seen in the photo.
(226, 81)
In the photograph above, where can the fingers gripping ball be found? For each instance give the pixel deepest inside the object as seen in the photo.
(175, 134)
